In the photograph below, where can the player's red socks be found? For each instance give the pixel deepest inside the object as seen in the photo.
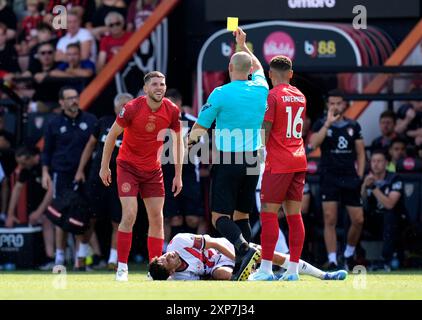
(296, 236)
(155, 247)
(124, 242)
(269, 234)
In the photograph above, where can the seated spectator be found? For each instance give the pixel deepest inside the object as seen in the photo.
(74, 66)
(45, 33)
(45, 56)
(387, 123)
(28, 26)
(107, 6)
(396, 151)
(410, 119)
(110, 44)
(8, 55)
(382, 192)
(8, 18)
(139, 11)
(76, 34)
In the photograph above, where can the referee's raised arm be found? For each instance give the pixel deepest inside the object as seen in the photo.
(241, 43)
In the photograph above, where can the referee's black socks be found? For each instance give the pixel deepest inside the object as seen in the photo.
(245, 227)
(230, 230)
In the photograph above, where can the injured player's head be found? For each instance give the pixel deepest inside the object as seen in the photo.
(164, 266)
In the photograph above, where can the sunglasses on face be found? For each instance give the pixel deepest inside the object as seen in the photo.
(46, 52)
(115, 24)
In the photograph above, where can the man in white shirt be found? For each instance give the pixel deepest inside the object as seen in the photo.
(76, 34)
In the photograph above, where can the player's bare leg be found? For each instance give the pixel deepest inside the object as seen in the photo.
(353, 235)
(269, 237)
(61, 237)
(222, 273)
(330, 235)
(124, 235)
(154, 206)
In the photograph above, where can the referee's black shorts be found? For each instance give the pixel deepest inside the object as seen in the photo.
(233, 185)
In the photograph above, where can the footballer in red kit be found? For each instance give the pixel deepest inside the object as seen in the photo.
(142, 121)
(285, 169)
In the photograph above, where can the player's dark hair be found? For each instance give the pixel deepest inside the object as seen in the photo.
(27, 151)
(153, 74)
(397, 140)
(157, 271)
(63, 89)
(174, 93)
(380, 151)
(281, 63)
(388, 114)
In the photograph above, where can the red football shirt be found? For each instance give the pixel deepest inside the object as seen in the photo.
(111, 46)
(141, 141)
(285, 147)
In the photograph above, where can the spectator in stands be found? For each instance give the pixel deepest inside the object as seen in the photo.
(76, 34)
(65, 137)
(74, 66)
(100, 25)
(139, 11)
(29, 25)
(383, 195)
(45, 56)
(410, 119)
(84, 8)
(8, 18)
(45, 34)
(8, 55)
(111, 44)
(387, 123)
(37, 200)
(396, 151)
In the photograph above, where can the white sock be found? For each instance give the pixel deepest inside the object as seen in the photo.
(59, 260)
(350, 250)
(332, 257)
(113, 256)
(309, 269)
(266, 266)
(293, 267)
(83, 250)
(281, 245)
(122, 266)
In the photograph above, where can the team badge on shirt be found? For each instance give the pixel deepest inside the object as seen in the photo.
(122, 112)
(150, 126)
(350, 131)
(83, 126)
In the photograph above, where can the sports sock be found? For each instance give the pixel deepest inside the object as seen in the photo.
(332, 257)
(229, 230)
(245, 227)
(59, 260)
(350, 250)
(269, 235)
(306, 268)
(124, 242)
(113, 256)
(155, 247)
(122, 266)
(296, 236)
(83, 250)
(266, 266)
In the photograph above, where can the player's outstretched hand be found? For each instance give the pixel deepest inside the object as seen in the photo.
(105, 175)
(240, 36)
(177, 185)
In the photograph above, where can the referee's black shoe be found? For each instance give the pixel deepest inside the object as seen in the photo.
(242, 271)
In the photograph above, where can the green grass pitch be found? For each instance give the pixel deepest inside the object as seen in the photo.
(101, 285)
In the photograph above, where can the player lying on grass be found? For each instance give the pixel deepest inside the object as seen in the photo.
(197, 257)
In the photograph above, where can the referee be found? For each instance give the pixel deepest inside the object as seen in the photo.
(238, 108)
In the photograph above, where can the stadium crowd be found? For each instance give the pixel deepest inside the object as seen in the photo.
(37, 61)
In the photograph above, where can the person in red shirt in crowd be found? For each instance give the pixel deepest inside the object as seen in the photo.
(285, 169)
(111, 43)
(144, 121)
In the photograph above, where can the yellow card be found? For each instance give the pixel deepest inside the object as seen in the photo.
(232, 23)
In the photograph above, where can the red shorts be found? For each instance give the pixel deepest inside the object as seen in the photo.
(277, 187)
(131, 181)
